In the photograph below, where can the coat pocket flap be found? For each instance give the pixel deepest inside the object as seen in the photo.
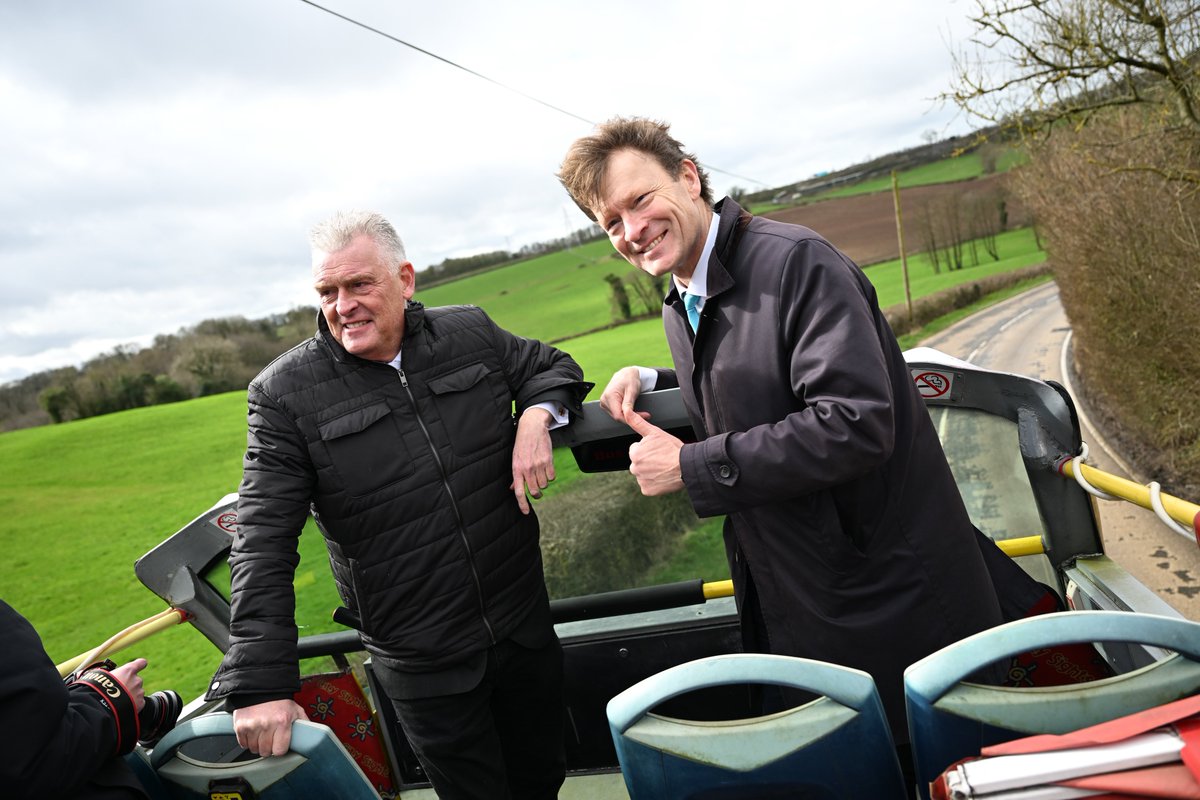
(458, 381)
(353, 421)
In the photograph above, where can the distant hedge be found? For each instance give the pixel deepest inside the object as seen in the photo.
(605, 535)
(930, 307)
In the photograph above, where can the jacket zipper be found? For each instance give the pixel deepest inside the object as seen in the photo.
(462, 529)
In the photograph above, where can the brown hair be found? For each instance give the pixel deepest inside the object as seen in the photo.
(582, 171)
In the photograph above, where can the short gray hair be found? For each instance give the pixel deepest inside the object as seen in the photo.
(340, 229)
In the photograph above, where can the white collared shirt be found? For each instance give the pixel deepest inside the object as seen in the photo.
(698, 286)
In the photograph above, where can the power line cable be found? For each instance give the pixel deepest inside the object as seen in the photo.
(492, 81)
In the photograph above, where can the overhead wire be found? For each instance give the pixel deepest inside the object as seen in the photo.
(490, 80)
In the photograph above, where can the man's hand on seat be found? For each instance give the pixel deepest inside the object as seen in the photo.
(265, 729)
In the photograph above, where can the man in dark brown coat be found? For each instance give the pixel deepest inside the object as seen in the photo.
(847, 539)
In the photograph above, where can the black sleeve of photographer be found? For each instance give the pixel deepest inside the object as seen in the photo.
(115, 699)
(56, 738)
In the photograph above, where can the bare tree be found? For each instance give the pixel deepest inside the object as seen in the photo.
(648, 289)
(1035, 62)
(983, 223)
(620, 299)
(1124, 248)
(210, 363)
(948, 218)
(928, 230)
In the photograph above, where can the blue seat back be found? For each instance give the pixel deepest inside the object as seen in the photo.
(203, 749)
(139, 762)
(950, 718)
(836, 746)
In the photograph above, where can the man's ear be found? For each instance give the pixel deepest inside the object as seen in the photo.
(408, 277)
(689, 175)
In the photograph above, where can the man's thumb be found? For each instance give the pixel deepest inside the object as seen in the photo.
(638, 423)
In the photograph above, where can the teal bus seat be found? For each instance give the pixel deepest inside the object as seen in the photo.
(835, 746)
(139, 762)
(201, 758)
(951, 718)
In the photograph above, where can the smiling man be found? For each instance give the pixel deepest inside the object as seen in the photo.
(395, 425)
(846, 536)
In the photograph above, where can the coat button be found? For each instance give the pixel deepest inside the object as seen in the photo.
(725, 471)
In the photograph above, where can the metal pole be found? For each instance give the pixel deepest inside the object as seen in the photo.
(900, 238)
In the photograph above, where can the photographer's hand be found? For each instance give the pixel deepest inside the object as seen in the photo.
(128, 675)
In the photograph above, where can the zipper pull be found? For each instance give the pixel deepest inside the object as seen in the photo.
(403, 380)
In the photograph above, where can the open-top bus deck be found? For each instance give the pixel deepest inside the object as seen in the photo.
(1012, 442)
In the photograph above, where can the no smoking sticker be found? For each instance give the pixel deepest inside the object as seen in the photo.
(933, 385)
(226, 521)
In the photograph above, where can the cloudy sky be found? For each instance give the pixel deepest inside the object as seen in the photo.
(161, 161)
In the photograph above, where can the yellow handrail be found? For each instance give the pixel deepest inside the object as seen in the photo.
(132, 635)
(1181, 511)
(716, 589)
(1025, 546)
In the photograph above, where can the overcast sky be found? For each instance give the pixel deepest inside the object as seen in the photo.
(162, 161)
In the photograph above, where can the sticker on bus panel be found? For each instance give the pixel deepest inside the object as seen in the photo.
(226, 521)
(932, 384)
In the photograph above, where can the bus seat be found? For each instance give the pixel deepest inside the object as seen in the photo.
(798, 753)
(951, 718)
(201, 758)
(139, 762)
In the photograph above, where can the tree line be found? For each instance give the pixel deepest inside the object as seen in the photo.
(214, 356)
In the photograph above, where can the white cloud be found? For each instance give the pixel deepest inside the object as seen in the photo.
(164, 161)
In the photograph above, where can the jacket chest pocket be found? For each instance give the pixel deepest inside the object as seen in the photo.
(472, 414)
(366, 449)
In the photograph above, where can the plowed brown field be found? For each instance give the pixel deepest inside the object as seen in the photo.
(864, 226)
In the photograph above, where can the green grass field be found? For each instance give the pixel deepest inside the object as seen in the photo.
(1016, 249)
(83, 500)
(948, 170)
(549, 297)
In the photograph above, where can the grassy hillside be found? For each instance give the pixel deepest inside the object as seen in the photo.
(948, 170)
(549, 297)
(84, 499)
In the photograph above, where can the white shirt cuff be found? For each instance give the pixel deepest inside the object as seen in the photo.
(648, 377)
(557, 410)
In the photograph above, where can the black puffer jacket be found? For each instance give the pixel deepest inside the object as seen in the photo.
(408, 476)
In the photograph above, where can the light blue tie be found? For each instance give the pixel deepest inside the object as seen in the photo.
(691, 302)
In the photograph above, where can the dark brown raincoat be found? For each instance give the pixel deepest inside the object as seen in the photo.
(846, 535)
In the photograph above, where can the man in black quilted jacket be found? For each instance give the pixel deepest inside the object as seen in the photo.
(395, 425)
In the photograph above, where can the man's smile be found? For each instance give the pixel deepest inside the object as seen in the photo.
(652, 245)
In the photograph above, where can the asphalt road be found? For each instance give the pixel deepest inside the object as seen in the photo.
(1029, 334)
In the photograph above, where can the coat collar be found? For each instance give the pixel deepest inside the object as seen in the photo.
(414, 323)
(731, 220)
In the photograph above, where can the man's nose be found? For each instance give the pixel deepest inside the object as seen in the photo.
(345, 303)
(635, 226)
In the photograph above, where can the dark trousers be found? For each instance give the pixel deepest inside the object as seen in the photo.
(501, 740)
